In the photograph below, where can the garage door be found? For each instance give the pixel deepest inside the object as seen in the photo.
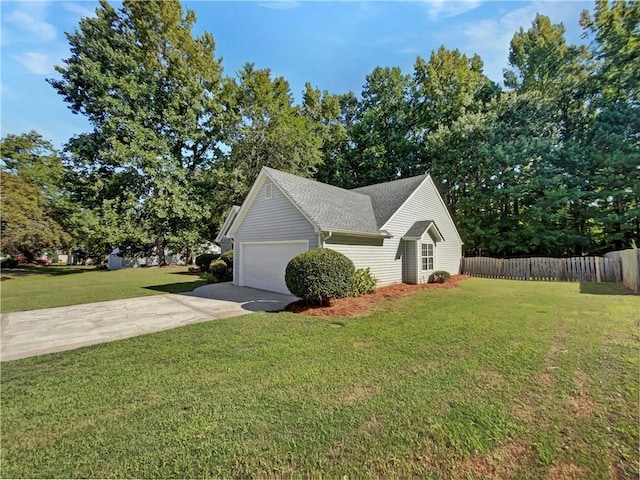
(264, 264)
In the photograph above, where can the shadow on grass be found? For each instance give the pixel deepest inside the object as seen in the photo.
(604, 289)
(183, 287)
(46, 270)
(191, 274)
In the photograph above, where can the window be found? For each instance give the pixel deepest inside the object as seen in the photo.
(427, 256)
(268, 190)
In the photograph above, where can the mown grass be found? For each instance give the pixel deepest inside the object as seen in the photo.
(30, 288)
(498, 379)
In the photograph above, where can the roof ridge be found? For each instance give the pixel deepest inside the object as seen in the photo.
(298, 177)
(390, 181)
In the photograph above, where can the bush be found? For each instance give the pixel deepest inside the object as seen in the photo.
(320, 275)
(439, 276)
(220, 270)
(203, 261)
(9, 263)
(208, 277)
(227, 257)
(363, 282)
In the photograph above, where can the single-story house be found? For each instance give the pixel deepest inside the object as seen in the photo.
(223, 239)
(402, 229)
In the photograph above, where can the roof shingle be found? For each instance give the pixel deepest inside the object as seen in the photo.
(330, 208)
(388, 197)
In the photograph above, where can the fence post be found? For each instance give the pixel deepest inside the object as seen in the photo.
(597, 269)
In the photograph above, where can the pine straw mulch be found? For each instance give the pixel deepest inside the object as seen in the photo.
(356, 306)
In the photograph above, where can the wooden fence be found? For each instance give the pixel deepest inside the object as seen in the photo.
(630, 262)
(574, 269)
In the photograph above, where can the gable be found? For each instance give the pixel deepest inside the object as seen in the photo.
(257, 194)
(387, 198)
(426, 202)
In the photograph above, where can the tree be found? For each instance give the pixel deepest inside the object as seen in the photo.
(332, 118)
(31, 171)
(613, 30)
(151, 92)
(269, 130)
(542, 62)
(381, 133)
(449, 85)
(611, 143)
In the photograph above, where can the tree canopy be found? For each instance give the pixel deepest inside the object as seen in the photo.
(546, 164)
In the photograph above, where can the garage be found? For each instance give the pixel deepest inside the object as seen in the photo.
(264, 263)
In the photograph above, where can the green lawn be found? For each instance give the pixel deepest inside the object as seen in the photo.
(43, 287)
(499, 379)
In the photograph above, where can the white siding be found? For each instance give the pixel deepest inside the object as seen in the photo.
(271, 220)
(386, 261)
(425, 204)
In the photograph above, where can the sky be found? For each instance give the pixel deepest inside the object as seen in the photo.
(332, 45)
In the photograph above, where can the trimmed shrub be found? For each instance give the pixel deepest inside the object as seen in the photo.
(203, 261)
(227, 257)
(363, 282)
(439, 276)
(320, 275)
(220, 270)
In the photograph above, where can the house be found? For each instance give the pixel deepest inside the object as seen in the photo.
(402, 229)
(223, 239)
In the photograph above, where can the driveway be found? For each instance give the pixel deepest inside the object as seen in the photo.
(35, 332)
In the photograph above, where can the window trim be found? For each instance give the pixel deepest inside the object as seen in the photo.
(427, 259)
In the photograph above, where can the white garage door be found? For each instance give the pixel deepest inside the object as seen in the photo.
(264, 264)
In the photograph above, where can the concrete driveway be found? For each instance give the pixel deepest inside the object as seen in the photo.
(35, 332)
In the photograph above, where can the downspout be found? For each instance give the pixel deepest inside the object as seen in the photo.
(324, 236)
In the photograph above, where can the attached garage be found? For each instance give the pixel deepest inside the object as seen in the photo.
(263, 264)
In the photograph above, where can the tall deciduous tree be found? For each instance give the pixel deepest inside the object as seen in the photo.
(29, 188)
(382, 132)
(150, 90)
(270, 130)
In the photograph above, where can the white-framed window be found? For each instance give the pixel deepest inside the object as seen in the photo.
(268, 190)
(427, 256)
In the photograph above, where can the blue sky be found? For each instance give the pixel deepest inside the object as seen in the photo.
(332, 45)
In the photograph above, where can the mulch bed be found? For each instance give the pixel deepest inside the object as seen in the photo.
(355, 306)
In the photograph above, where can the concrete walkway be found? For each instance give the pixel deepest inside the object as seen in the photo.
(35, 332)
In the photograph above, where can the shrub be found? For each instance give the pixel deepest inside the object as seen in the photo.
(208, 277)
(320, 275)
(9, 263)
(204, 260)
(220, 270)
(227, 257)
(439, 276)
(363, 282)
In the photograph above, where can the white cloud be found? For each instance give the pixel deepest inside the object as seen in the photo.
(448, 8)
(279, 4)
(79, 9)
(36, 62)
(30, 24)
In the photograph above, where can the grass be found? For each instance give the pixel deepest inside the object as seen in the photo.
(498, 379)
(29, 288)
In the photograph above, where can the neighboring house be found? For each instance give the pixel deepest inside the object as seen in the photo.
(402, 229)
(116, 262)
(223, 239)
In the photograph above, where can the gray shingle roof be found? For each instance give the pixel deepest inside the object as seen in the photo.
(330, 208)
(417, 229)
(388, 197)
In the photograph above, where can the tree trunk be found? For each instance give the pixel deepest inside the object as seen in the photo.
(160, 246)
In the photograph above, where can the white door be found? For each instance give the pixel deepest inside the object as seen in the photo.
(264, 264)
